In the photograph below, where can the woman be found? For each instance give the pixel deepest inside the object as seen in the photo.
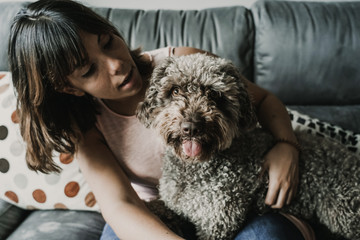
(78, 86)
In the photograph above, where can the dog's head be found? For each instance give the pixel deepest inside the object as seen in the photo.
(198, 104)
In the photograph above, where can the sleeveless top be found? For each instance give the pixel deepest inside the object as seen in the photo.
(138, 150)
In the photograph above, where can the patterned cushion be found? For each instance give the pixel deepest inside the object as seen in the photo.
(315, 126)
(26, 188)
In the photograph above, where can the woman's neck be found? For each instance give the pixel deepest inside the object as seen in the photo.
(127, 106)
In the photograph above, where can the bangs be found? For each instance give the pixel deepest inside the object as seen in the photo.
(49, 51)
(53, 31)
(62, 51)
(57, 48)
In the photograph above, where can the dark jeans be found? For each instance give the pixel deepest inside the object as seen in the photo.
(270, 226)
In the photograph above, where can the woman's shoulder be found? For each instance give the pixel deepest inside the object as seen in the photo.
(157, 55)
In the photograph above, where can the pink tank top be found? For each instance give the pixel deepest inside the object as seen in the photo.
(138, 150)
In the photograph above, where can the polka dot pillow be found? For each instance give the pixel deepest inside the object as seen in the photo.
(28, 189)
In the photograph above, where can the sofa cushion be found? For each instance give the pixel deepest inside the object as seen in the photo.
(307, 53)
(10, 218)
(59, 225)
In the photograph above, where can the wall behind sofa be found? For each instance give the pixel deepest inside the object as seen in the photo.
(156, 4)
(168, 4)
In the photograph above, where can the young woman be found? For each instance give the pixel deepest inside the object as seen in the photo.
(78, 86)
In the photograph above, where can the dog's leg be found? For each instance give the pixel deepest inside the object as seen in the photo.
(223, 219)
(175, 222)
(342, 216)
(204, 194)
(330, 179)
(339, 207)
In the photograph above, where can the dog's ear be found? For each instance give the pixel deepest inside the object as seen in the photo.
(148, 110)
(247, 119)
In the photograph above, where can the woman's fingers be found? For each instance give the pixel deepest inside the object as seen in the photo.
(282, 197)
(280, 193)
(271, 195)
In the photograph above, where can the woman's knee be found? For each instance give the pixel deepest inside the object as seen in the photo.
(269, 227)
(108, 233)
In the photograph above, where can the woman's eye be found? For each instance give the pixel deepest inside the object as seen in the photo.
(109, 42)
(90, 71)
(175, 91)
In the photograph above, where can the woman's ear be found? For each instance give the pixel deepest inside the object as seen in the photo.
(73, 91)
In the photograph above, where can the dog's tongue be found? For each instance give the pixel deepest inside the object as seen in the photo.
(191, 148)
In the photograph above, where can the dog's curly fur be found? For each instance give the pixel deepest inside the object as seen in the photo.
(217, 185)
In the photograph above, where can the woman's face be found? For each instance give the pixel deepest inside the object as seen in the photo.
(110, 74)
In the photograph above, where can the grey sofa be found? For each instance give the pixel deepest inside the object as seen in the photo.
(306, 53)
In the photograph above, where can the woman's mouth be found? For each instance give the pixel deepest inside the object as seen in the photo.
(127, 79)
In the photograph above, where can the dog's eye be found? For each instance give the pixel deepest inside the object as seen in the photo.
(213, 94)
(175, 91)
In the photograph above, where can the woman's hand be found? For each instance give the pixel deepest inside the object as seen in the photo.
(281, 162)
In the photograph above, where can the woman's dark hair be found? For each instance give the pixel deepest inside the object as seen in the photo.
(44, 48)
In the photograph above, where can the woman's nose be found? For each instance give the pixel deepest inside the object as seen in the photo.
(115, 66)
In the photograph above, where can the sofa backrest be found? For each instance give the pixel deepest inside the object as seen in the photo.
(308, 52)
(7, 12)
(227, 31)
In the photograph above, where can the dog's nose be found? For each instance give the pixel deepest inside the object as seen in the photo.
(189, 128)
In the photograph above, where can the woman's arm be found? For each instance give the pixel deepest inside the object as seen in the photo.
(180, 51)
(271, 112)
(282, 160)
(120, 206)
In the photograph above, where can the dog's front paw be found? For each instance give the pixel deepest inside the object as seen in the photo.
(174, 221)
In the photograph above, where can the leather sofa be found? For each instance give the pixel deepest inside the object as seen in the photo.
(306, 53)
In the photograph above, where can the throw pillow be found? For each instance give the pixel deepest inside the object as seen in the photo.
(28, 189)
(317, 127)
